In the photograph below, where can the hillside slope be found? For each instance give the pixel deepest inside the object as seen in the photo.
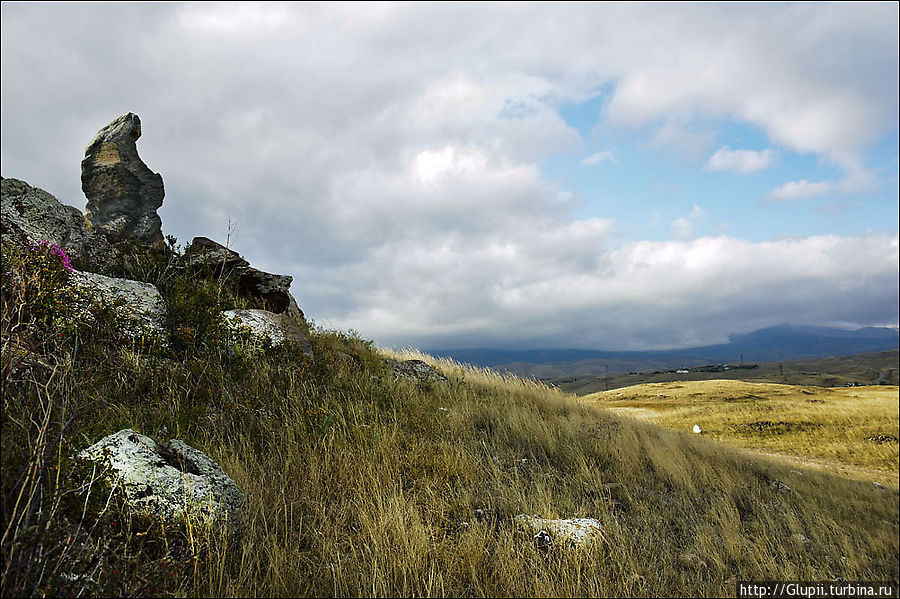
(360, 483)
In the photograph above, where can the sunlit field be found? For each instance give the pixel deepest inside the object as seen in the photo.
(853, 430)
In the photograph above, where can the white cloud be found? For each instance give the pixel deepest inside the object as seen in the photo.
(808, 77)
(801, 190)
(741, 161)
(387, 156)
(640, 295)
(234, 19)
(433, 166)
(683, 226)
(598, 157)
(855, 181)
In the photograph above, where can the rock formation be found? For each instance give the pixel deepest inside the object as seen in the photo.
(123, 193)
(168, 480)
(139, 307)
(29, 215)
(123, 196)
(277, 328)
(415, 370)
(265, 291)
(575, 532)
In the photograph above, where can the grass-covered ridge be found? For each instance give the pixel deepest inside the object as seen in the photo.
(361, 484)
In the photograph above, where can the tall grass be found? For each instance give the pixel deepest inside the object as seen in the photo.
(358, 483)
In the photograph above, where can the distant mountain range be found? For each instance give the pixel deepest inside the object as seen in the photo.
(783, 342)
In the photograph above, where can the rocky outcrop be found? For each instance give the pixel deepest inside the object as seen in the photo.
(574, 532)
(168, 481)
(139, 308)
(29, 215)
(265, 291)
(204, 253)
(414, 370)
(123, 193)
(276, 328)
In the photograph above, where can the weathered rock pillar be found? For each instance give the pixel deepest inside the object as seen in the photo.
(123, 193)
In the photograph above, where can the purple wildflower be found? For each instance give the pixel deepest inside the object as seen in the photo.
(55, 250)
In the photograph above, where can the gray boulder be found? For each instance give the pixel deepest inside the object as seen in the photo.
(415, 370)
(29, 214)
(276, 328)
(781, 487)
(123, 193)
(169, 481)
(204, 253)
(139, 307)
(574, 532)
(265, 291)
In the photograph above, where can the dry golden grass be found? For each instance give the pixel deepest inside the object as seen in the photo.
(359, 484)
(853, 430)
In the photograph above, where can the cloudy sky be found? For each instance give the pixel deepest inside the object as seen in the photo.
(509, 175)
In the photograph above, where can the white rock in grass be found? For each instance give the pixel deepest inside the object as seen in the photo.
(262, 324)
(781, 487)
(168, 481)
(139, 308)
(576, 532)
(697, 429)
(415, 370)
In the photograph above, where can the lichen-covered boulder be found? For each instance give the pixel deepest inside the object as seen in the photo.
(138, 307)
(414, 370)
(573, 532)
(29, 215)
(123, 193)
(262, 324)
(169, 481)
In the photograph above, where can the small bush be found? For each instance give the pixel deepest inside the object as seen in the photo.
(39, 307)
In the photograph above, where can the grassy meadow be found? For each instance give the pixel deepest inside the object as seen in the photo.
(361, 484)
(854, 430)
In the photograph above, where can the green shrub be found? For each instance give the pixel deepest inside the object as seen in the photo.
(40, 309)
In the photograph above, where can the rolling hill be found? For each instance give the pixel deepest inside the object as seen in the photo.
(876, 368)
(778, 343)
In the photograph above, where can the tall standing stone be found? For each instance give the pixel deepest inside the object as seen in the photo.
(123, 193)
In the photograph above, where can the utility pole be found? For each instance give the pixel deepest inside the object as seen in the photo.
(607, 377)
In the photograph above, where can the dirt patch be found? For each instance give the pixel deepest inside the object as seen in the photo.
(777, 427)
(747, 397)
(881, 439)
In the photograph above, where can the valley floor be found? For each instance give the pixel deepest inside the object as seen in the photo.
(852, 431)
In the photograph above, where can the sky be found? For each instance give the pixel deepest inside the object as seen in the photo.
(516, 176)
